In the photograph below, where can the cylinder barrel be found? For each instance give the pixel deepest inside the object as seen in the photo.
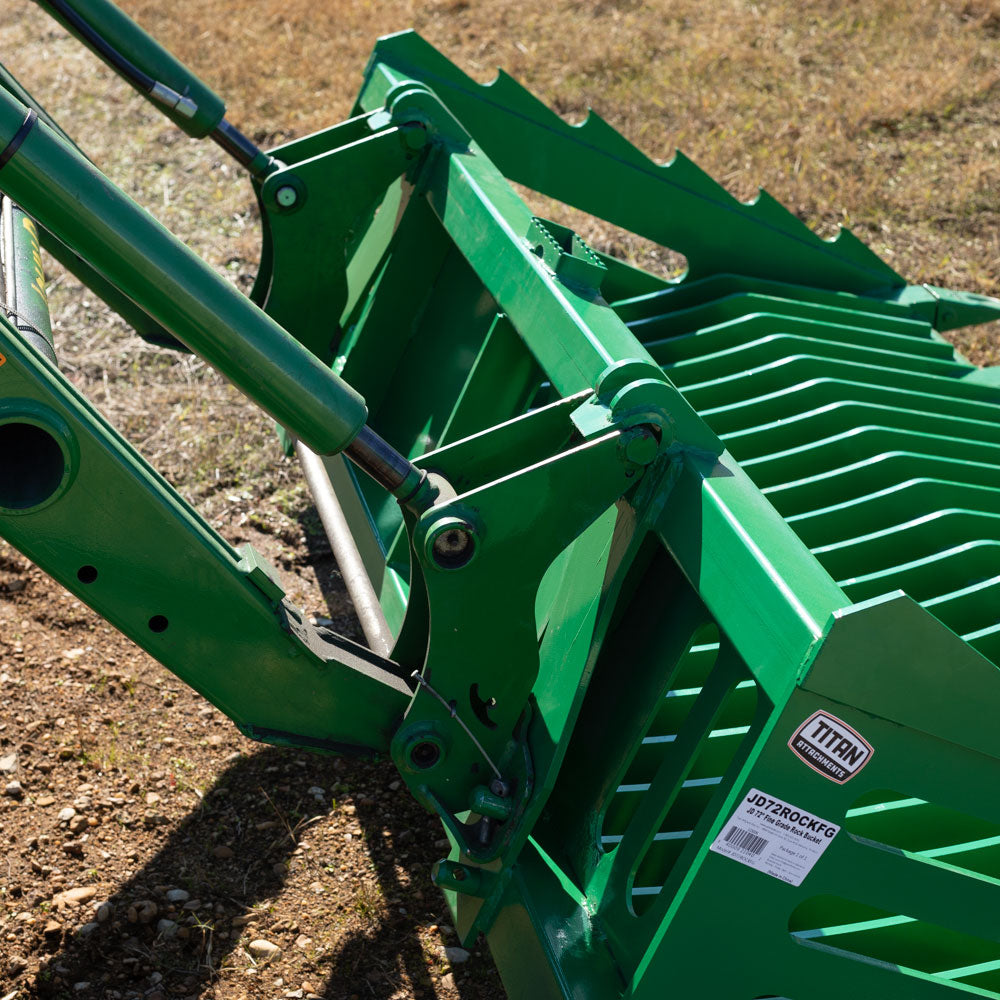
(95, 22)
(124, 243)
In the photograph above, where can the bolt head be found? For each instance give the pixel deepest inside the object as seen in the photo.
(641, 447)
(286, 196)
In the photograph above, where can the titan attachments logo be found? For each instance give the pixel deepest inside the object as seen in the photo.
(831, 747)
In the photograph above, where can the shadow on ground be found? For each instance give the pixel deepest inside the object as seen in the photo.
(377, 937)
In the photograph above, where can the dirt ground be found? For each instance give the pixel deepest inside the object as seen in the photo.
(153, 852)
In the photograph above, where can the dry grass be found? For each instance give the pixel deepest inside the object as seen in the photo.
(881, 115)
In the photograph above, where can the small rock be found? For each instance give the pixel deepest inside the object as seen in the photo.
(295, 994)
(317, 793)
(104, 912)
(152, 798)
(448, 981)
(222, 852)
(81, 986)
(14, 790)
(88, 928)
(8, 763)
(303, 942)
(53, 928)
(78, 823)
(65, 815)
(45, 800)
(242, 920)
(178, 896)
(16, 965)
(81, 894)
(263, 950)
(142, 912)
(394, 786)
(456, 955)
(168, 928)
(74, 848)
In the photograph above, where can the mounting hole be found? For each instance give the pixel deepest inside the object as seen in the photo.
(158, 623)
(32, 465)
(424, 754)
(451, 543)
(86, 574)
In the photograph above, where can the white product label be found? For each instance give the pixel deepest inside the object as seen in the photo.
(775, 837)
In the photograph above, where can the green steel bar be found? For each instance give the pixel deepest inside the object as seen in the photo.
(179, 290)
(78, 500)
(125, 307)
(144, 63)
(594, 168)
(570, 330)
(157, 75)
(10, 83)
(767, 592)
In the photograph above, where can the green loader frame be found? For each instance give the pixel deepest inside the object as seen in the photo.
(680, 595)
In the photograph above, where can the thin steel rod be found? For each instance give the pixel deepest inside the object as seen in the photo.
(345, 551)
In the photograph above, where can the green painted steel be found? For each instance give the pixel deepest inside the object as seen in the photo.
(696, 653)
(132, 251)
(201, 109)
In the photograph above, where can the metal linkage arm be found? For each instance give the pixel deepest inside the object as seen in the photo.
(80, 503)
(88, 213)
(73, 200)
